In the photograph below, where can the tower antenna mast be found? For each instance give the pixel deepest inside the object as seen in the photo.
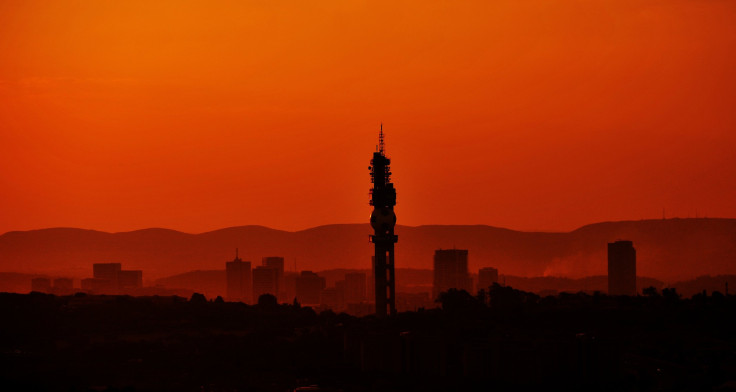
(381, 144)
(383, 221)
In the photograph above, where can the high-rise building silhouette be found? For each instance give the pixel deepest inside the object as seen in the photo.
(239, 279)
(621, 268)
(383, 220)
(290, 286)
(265, 281)
(278, 263)
(451, 270)
(355, 287)
(309, 288)
(333, 298)
(487, 277)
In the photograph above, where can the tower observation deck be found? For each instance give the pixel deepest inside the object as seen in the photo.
(383, 220)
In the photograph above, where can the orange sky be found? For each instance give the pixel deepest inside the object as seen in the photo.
(525, 114)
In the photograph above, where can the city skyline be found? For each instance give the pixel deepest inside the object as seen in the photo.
(184, 202)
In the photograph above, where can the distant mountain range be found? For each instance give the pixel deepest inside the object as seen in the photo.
(669, 250)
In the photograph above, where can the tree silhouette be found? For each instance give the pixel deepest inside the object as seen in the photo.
(650, 291)
(454, 301)
(267, 301)
(198, 298)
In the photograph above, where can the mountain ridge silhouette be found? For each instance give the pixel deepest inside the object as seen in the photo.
(668, 249)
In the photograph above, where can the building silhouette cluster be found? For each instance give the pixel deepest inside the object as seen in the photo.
(375, 293)
(246, 284)
(58, 286)
(110, 278)
(479, 331)
(107, 278)
(356, 292)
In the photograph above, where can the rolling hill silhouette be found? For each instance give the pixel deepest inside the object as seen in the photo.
(670, 250)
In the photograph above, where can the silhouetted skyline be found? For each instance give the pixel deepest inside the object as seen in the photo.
(535, 117)
(667, 248)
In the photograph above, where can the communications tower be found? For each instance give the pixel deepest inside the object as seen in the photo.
(383, 220)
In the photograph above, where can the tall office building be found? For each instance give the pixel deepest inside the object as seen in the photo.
(278, 263)
(106, 278)
(451, 271)
(265, 281)
(383, 220)
(333, 298)
(239, 280)
(487, 277)
(289, 289)
(355, 287)
(621, 268)
(309, 287)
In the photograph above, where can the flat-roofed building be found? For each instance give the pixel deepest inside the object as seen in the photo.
(309, 287)
(265, 281)
(239, 280)
(451, 271)
(278, 263)
(355, 287)
(487, 277)
(621, 268)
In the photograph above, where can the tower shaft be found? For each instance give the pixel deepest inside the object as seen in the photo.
(383, 221)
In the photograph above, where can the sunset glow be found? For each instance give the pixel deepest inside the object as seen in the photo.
(197, 115)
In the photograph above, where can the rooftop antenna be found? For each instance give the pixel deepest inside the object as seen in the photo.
(381, 144)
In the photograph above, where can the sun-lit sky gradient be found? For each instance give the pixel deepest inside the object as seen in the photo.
(545, 115)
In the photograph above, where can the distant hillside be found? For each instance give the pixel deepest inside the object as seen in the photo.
(669, 250)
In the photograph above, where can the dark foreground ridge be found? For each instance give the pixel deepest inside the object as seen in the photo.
(504, 340)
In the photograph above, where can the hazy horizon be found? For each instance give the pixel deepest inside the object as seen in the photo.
(365, 223)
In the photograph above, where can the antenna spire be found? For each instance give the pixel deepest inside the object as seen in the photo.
(381, 144)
